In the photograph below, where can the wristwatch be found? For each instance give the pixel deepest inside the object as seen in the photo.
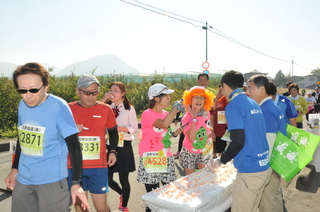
(114, 152)
(195, 121)
(76, 182)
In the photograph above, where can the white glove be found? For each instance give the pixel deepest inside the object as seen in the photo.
(213, 164)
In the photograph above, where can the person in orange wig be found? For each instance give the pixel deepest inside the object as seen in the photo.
(195, 152)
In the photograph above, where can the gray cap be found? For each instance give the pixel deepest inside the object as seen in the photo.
(86, 80)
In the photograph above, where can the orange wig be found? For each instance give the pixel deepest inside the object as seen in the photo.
(199, 91)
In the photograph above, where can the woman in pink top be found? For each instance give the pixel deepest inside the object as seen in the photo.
(156, 160)
(198, 101)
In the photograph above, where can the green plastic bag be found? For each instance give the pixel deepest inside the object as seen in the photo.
(288, 158)
(307, 141)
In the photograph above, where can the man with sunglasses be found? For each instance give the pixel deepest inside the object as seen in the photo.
(93, 118)
(46, 133)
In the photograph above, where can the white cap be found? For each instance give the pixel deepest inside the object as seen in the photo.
(309, 92)
(157, 89)
(245, 84)
(197, 87)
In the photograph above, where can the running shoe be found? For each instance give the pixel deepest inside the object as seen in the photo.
(124, 209)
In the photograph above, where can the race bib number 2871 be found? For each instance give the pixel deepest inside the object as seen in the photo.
(31, 139)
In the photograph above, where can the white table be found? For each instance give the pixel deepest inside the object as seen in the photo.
(202, 191)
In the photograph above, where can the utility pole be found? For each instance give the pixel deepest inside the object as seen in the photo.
(206, 28)
(290, 72)
(292, 66)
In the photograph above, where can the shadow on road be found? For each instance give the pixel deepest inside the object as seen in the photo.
(179, 169)
(4, 195)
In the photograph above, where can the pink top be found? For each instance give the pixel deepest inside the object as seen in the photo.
(153, 138)
(202, 135)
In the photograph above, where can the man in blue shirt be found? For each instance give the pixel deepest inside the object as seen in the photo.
(248, 147)
(46, 134)
(285, 104)
(259, 91)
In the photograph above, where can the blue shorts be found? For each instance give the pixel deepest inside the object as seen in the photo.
(94, 180)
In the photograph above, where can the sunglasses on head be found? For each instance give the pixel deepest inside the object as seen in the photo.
(160, 92)
(88, 93)
(34, 90)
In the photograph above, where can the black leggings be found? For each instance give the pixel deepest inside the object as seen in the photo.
(181, 138)
(150, 187)
(124, 181)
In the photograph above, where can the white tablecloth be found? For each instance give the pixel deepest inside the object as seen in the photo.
(202, 191)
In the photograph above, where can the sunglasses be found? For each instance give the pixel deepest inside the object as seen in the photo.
(88, 93)
(34, 90)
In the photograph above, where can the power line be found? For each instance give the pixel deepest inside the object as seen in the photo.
(244, 45)
(309, 51)
(230, 9)
(218, 32)
(178, 19)
(157, 8)
(302, 66)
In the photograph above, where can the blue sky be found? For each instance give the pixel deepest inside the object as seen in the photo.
(62, 32)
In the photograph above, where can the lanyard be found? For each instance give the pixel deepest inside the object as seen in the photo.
(235, 93)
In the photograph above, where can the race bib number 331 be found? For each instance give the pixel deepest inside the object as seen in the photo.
(31, 139)
(90, 147)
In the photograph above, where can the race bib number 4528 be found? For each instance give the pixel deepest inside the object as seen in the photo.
(31, 139)
(154, 162)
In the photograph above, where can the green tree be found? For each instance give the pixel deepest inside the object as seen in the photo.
(9, 99)
(64, 87)
(280, 79)
(315, 72)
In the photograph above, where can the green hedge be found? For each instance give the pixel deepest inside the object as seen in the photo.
(64, 87)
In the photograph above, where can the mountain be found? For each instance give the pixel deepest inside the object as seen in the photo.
(104, 64)
(6, 69)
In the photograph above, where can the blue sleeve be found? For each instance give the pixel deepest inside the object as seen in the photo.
(291, 110)
(234, 117)
(65, 121)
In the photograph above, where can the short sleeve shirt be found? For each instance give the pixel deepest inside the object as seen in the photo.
(55, 117)
(287, 107)
(244, 113)
(202, 133)
(273, 116)
(98, 119)
(154, 139)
